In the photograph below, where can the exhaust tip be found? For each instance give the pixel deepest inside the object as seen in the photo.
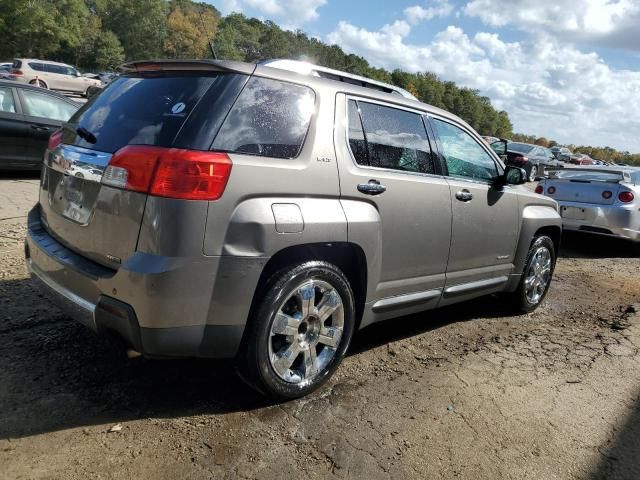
(131, 354)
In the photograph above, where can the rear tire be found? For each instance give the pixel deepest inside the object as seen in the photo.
(537, 275)
(301, 329)
(39, 83)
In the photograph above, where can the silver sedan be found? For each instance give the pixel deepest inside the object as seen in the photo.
(603, 200)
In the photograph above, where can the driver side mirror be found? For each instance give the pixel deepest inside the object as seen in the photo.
(500, 147)
(514, 175)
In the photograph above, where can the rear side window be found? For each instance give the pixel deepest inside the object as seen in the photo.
(356, 135)
(394, 138)
(7, 105)
(17, 64)
(270, 119)
(36, 66)
(147, 110)
(47, 106)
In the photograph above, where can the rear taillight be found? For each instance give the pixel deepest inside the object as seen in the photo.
(539, 189)
(17, 72)
(607, 194)
(169, 172)
(551, 190)
(520, 159)
(626, 197)
(54, 140)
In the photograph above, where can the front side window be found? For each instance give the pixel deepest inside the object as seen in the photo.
(394, 138)
(7, 105)
(46, 106)
(464, 156)
(270, 119)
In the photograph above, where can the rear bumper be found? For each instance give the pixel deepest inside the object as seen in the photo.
(159, 306)
(608, 220)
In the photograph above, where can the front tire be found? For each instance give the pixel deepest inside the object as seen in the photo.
(537, 275)
(302, 327)
(533, 173)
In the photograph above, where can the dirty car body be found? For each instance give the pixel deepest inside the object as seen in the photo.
(203, 181)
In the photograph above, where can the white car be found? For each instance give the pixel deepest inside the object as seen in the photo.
(52, 75)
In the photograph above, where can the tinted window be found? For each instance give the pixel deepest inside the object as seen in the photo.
(270, 118)
(47, 106)
(7, 104)
(356, 135)
(142, 111)
(464, 156)
(519, 147)
(17, 64)
(36, 66)
(396, 139)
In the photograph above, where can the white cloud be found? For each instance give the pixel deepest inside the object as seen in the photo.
(417, 14)
(290, 13)
(603, 22)
(549, 87)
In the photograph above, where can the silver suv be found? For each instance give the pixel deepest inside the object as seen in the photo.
(52, 75)
(267, 212)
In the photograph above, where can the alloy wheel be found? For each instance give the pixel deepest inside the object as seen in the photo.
(538, 275)
(305, 332)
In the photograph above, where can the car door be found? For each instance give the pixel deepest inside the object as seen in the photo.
(388, 172)
(484, 218)
(13, 130)
(44, 113)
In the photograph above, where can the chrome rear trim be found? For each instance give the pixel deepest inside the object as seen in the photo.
(409, 300)
(78, 162)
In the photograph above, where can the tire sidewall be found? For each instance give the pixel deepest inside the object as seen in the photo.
(539, 241)
(259, 365)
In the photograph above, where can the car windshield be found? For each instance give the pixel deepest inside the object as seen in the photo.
(520, 147)
(586, 175)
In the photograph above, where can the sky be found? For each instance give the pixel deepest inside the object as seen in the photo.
(568, 70)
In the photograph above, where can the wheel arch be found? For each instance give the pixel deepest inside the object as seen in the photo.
(348, 257)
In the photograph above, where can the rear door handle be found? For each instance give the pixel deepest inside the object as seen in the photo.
(372, 188)
(464, 196)
(40, 128)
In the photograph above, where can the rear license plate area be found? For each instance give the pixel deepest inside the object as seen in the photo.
(573, 213)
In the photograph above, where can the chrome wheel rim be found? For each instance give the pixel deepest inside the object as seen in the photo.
(538, 275)
(305, 332)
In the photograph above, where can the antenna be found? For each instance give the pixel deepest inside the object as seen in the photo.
(204, 27)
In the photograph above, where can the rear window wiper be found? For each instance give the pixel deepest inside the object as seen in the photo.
(86, 135)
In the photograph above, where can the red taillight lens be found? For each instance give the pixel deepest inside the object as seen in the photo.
(551, 190)
(539, 189)
(17, 72)
(55, 139)
(172, 173)
(520, 159)
(132, 167)
(626, 197)
(607, 194)
(191, 175)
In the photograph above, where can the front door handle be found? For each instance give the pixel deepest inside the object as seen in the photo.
(372, 188)
(464, 196)
(40, 128)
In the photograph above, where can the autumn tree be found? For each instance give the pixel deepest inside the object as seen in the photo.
(190, 28)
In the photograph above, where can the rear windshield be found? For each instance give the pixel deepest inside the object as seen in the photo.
(613, 177)
(520, 147)
(146, 110)
(17, 64)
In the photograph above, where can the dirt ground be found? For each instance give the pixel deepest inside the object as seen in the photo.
(463, 392)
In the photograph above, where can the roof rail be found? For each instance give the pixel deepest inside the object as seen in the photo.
(306, 68)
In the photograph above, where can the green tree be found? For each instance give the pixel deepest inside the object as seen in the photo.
(108, 51)
(190, 27)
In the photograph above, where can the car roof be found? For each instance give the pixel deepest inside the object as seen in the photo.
(48, 62)
(262, 70)
(26, 86)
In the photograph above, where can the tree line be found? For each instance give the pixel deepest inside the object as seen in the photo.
(98, 35)
(607, 154)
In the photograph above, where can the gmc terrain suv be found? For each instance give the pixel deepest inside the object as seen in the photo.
(267, 212)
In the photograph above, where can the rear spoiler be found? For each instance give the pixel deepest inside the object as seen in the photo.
(139, 66)
(626, 176)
